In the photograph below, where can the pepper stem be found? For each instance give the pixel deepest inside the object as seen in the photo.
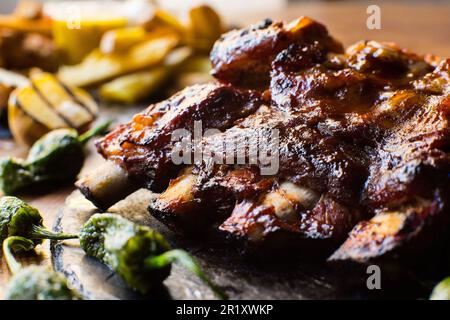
(15, 243)
(187, 261)
(98, 130)
(38, 232)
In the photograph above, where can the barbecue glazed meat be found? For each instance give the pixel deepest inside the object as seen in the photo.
(244, 57)
(360, 139)
(408, 183)
(144, 146)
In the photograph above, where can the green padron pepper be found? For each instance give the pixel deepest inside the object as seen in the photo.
(140, 255)
(17, 218)
(56, 156)
(442, 290)
(33, 282)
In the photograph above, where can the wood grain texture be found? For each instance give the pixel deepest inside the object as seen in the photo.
(421, 27)
(242, 278)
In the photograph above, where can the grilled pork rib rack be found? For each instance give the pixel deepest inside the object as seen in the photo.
(363, 145)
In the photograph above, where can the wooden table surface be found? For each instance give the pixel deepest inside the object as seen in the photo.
(421, 27)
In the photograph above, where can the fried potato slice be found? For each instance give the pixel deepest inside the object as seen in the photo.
(136, 86)
(204, 28)
(163, 19)
(62, 100)
(46, 104)
(120, 40)
(98, 68)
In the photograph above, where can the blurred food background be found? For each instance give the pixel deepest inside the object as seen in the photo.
(55, 54)
(223, 6)
(59, 59)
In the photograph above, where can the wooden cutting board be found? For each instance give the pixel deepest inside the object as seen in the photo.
(241, 277)
(421, 27)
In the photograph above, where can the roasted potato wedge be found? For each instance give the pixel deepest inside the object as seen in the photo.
(136, 86)
(120, 40)
(204, 28)
(47, 104)
(8, 82)
(78, 30)
(197, 64)
(98, 68)
(77, 43)
(163, 19)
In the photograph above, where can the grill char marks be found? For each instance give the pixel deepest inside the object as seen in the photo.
(363, 141)
(408, 184)
(144, 146)
(243, 57)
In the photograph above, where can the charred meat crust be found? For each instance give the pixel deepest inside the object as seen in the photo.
(243, 57)
(363, 145)
(143, 147)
